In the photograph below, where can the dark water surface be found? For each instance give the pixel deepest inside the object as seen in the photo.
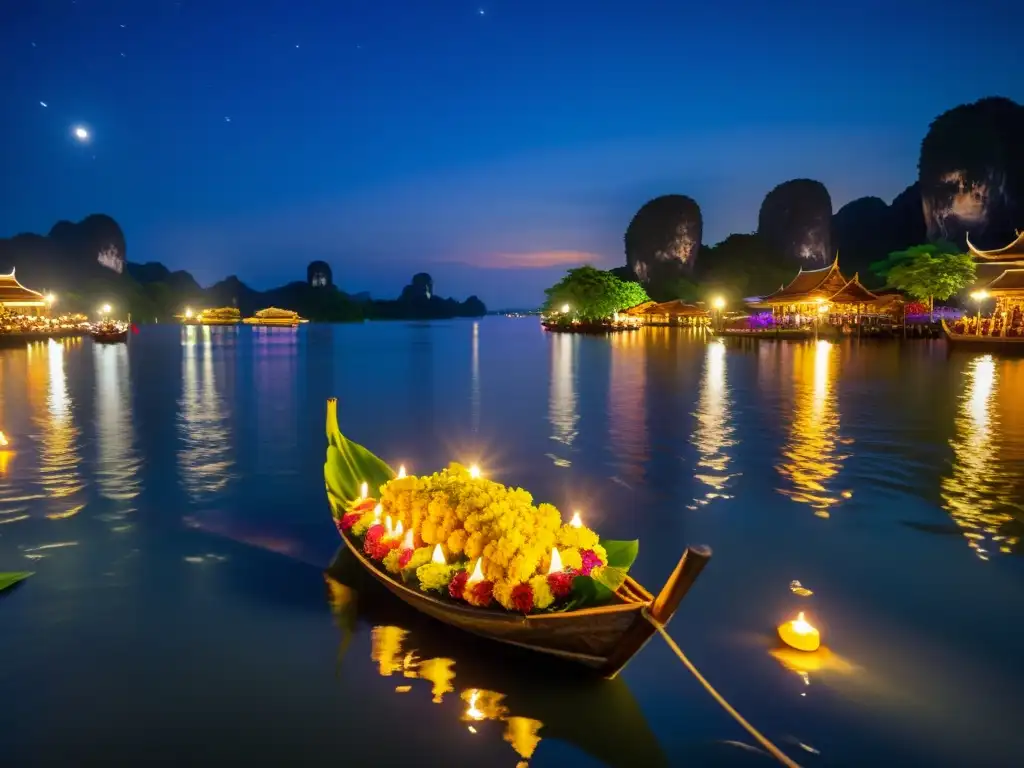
(169, 496)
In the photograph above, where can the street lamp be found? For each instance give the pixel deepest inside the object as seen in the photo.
(51, 299)
(565, 309)
(979, 296)
(105, 309)
(718, 304)
(188, 313)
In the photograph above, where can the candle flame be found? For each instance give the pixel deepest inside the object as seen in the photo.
(387, 526)
(438, 556)
(401, 471)
(474, 471)
(364, 491)
(477, 575)
(576, 522)
(407, 542)
(556, 561)
(377, 510)
(398, 529)
(801, 625)
(3, 440)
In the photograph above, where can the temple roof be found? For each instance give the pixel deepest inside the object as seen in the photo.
(853, 293)
(639, 309)
(675, 307)
(1012, 252)
(13, 292)
(1011, 281)
(811, 284)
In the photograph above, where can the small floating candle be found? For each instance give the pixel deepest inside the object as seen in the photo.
(799, 634)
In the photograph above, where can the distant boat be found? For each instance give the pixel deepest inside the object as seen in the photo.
(983, 342)
(221, 316)
(109, 332)
(272, 316)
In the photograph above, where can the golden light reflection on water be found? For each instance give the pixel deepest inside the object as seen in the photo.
(627, 400)
(562, 403)
(117, 473)
(810, 459)
(475, 380)
(59, 450)
(276, 360)
(205, 458)
(715, 430)
(983, 490)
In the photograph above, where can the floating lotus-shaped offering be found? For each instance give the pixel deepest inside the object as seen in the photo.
(484, 557)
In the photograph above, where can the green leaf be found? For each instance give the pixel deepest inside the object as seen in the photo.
(349, 464)
(588, 591)
(8, 580)
(610, 577)
(621, 554)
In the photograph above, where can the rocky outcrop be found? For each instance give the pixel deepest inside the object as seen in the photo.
(796, 220)
(318, 275)
(866, 230)
(971, 173)
(663, 239)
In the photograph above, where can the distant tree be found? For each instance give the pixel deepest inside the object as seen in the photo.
(745, 265)
(593, 294)
(928, 272)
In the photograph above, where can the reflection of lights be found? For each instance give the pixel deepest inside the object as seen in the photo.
(117, 473)
(809, 459)
(562, 404)
(714, 432)
(981, 490)
(205, 457)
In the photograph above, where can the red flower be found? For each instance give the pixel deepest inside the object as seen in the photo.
(375, 532)
(561, 583)
(364, 506)
(590, 561)
(405, 557)
(522, 598)
(458, 585)
(374, 544)
(480, 594)
(349, 520)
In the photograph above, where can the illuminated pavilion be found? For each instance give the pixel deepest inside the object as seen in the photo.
(19, 300)
(823, 295)
(1001, 275)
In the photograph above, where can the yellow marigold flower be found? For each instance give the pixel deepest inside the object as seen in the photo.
(570, 559)
(363, 523)
(434, 576)
(502, 592)
(523, 566)
(457, 541)
(600, 552)
(391, 561)
(474, 546)
(492, 570)
(420, 557)
(428, 532)
(578, 538)
(543, 597)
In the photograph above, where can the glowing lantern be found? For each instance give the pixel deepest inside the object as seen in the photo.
(364, 491)
(576, 522)
(474, 471)
(556, 561)
(401, 471)
(478, 574)
(799, 634)
(438, 556)
(407, 542)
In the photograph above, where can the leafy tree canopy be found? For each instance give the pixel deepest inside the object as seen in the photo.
(928, 272)
(593, 294)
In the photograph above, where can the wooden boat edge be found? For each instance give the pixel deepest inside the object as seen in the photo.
(965, 338)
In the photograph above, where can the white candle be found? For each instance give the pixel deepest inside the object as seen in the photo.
(407, 542)
(556, 561)
(388, 530)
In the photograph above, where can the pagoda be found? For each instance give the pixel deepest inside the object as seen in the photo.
(1001, 276)
(19, 300)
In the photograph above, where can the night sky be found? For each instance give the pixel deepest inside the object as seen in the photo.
(490, 144)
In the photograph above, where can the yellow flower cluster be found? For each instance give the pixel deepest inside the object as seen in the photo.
(478, 518)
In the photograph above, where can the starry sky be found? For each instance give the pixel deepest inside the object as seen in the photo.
(492, 144)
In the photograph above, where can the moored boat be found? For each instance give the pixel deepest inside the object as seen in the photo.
(274, 317)
(109, 332)
(603, 637)
(983, 341)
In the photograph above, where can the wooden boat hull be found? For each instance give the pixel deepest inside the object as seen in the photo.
(603, 638)
(110, 338)
(1012, 344)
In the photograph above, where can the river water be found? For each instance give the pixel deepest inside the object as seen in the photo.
(169, 496)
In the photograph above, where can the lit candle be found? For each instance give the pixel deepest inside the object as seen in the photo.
(398, 529)
(477, 575)
(438, 556)
(364, 491)
(474, 471)
(556, 561)
(576, 522)
(401, 471)
(377, 510)
(388, 530)
(407, 542)
(3, 440)
(799, 634)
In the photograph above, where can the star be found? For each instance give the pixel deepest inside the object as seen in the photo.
(43, 104)
(227, 119)
(480, 11)
(81, 133)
